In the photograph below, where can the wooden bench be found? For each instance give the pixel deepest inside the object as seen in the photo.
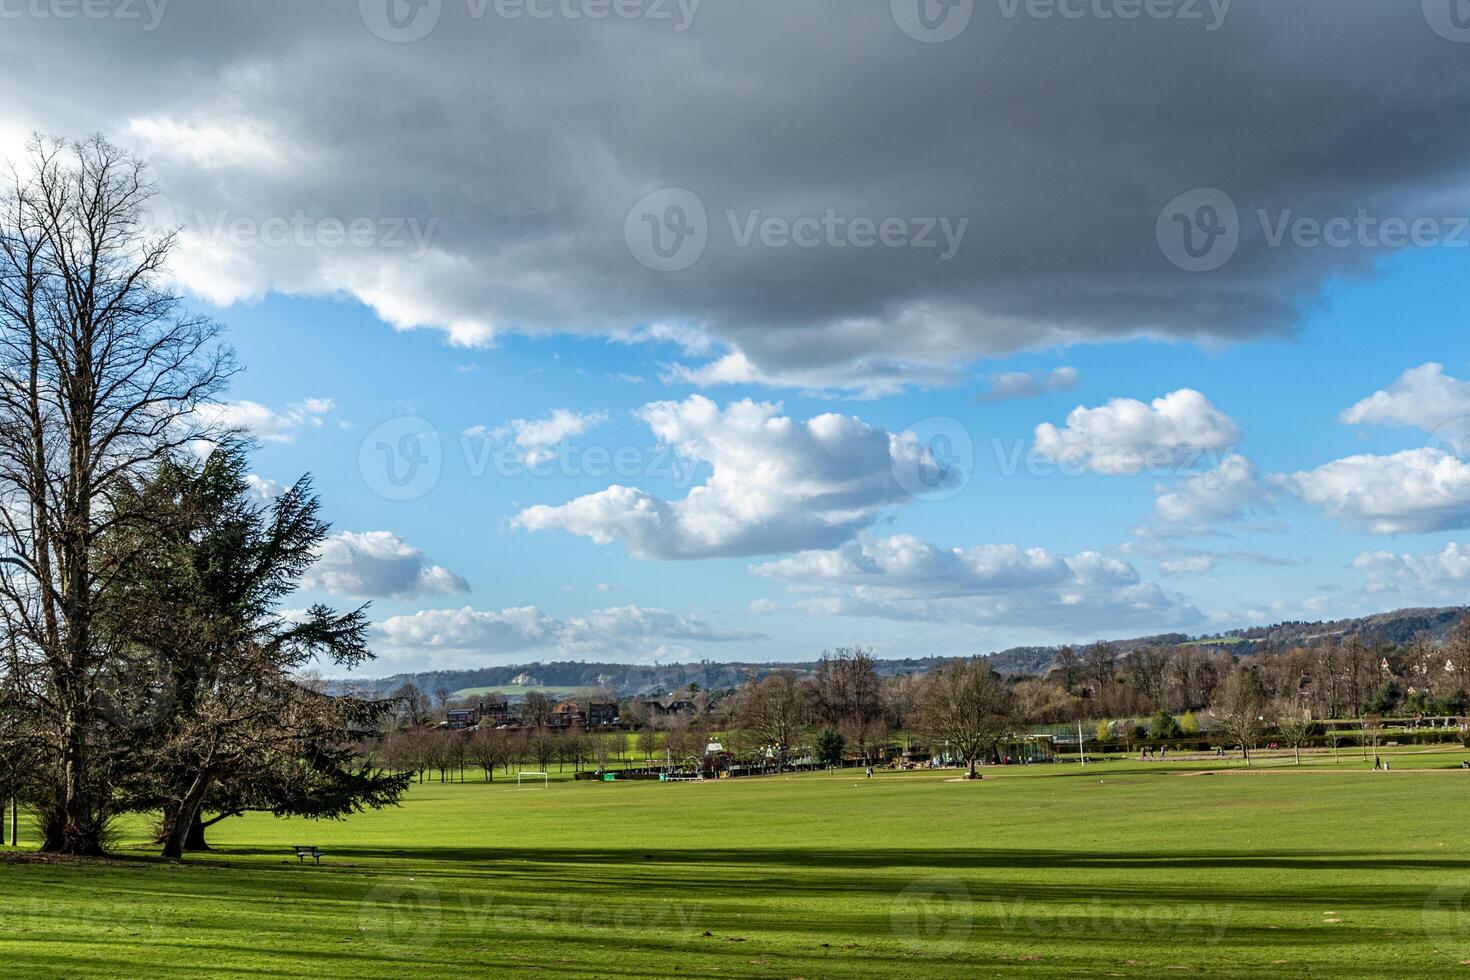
(304, 851)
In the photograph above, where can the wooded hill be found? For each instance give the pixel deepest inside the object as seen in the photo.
(1397, 627)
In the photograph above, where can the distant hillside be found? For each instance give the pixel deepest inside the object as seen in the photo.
(627, 680)
(1396, 627)
(1038, 660)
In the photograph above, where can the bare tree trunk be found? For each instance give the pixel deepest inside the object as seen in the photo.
(70, 826)
(194, 838)
(178, 833)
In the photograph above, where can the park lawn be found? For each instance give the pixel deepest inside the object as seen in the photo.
(1121, 868)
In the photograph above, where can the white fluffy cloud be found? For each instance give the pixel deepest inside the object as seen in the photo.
(776, 484)
(904, 578)
(1415, 491)
(376, 564)
(1176, 561)
(1423, 397)
(1438, 572)
(621, 629)
(537, 439)
(1125, 436)
(1188, 565)
(265, 423)
(1229, 492)
(1019, 384)
(1418, 490)
(263, 489)
(905, 562)
(860, 380)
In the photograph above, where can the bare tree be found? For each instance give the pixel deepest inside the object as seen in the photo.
(1069, 670)
(1328, 681)
(847, 695)
(968, 706)
(1372, 727)
(487, 749)
(541, 748)
(1147, 670)
(772, 711)
(1334, 739)
(536, 710)
(602, 747)
(1099, 663)
(413, 704)
(647, 742)
(678, 740)
(102, 375)
(1295, 725)
(1240, 709)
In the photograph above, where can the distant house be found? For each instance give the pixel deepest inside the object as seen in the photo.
(495, 711)
(662, 708)
(679, 706)
(567, 714)
(592, 714)
(461, 718)
(602, 714)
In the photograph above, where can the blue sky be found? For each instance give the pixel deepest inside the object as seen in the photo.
(940, 327)
(1287, 396)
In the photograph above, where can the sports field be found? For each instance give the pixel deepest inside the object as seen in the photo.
(1119, 869)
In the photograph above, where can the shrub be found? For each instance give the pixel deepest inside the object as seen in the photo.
(1162, 726)
(830, 744)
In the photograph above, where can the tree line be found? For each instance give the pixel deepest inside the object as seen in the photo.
(843, 709)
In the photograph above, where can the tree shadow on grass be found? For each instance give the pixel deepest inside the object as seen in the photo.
(763, 912)
(973, 859)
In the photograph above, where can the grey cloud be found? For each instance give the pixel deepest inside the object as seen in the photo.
(527, 141)
(1019, 384)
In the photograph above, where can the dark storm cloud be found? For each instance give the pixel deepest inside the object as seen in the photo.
(825, 146)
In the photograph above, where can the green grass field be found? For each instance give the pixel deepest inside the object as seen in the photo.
(1119, 869)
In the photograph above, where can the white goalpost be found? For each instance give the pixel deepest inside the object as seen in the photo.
(545, 784)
